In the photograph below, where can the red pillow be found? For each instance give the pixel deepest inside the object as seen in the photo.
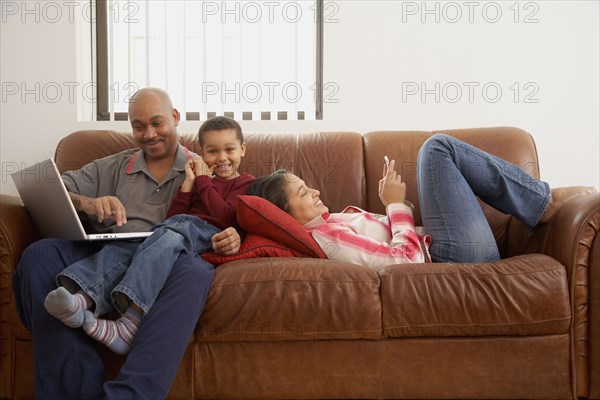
(261, 217)
(253, 246)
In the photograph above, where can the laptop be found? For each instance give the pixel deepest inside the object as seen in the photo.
(44, 194)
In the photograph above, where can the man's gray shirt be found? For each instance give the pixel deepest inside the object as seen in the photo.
(125, 175)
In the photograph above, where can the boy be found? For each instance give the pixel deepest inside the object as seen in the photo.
(130, 276)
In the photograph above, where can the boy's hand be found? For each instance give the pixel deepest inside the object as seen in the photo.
(190, 176)
(189, 170)
(201, 167)
(226, 242)
(391, 187)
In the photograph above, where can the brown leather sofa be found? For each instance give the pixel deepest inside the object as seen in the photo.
(525, 327)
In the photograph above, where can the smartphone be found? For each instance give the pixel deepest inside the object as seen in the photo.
(387, 161)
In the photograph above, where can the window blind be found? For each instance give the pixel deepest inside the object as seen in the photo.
(246, 59)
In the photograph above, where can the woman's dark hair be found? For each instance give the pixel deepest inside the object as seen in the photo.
(220, 123)
(272, 187)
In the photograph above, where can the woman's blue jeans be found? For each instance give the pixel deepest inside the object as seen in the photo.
(125, 272)
(451, 174)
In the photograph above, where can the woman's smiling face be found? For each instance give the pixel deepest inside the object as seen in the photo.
(304, 203)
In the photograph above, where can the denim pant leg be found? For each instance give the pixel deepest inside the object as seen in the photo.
(154, 258)
(67, 363)
(164, 333)
(98, 274)
(451, 174)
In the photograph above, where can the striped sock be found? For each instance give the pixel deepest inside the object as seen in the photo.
(116, 335)
(67, 307)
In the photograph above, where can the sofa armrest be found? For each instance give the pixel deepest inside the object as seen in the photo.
(16, 233)
(575, 224)
(572, 237)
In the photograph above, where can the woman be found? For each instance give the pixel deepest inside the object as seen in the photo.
(451, 174)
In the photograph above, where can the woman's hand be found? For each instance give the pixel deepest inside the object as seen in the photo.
(391, 187)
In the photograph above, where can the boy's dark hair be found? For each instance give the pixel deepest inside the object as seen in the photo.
(220, 123)
(272, 187)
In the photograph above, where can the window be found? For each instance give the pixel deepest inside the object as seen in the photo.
(245, 59)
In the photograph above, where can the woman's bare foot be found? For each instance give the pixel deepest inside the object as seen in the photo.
(560, 196)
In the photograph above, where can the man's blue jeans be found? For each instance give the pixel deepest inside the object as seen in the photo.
(67, 362)
(123, 271)
(451, 174)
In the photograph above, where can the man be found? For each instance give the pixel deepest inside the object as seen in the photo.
(133, 196)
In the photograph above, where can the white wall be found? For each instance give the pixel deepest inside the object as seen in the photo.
(378, 53)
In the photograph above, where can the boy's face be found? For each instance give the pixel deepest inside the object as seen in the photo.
(223, 150)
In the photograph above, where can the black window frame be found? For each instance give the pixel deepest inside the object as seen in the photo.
(103, 86)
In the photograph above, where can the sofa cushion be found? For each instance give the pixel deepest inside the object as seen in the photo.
(290, 299)
(253, 246)
(520, 296)
(261, 217)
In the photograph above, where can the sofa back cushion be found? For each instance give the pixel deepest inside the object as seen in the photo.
(344, 166)
(329, 161)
